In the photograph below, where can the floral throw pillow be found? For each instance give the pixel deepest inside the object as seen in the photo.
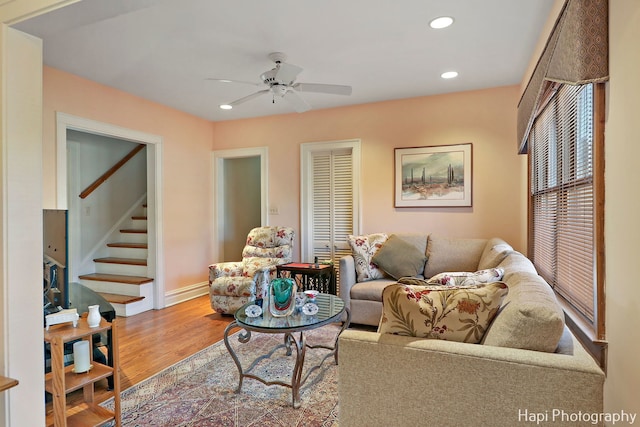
(363, 248)
(463, 278)
(460, 314)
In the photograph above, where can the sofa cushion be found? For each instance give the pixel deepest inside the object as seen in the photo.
(398, 258)
(452, 254)
(363, 248)
(464, 278)
(441, 312)
(495, 251)
(370, 290)
(531, 317)
(419, 240)
(514, 263)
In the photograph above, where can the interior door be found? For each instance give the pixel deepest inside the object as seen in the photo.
(330, 199)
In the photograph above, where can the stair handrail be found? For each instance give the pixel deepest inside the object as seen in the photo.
(98, 182)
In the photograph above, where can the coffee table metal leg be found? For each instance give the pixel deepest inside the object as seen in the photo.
(297, 370)
(244, 337)
(288, 339)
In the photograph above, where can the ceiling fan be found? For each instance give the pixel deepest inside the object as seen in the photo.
(281, 83)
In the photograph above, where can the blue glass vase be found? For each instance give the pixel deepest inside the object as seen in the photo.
(282, 297)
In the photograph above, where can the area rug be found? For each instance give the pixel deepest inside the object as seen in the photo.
(201, 390)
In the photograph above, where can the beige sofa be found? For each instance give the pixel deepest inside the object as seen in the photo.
(528, 368)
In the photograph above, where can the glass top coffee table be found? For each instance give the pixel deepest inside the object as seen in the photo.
(330, 310)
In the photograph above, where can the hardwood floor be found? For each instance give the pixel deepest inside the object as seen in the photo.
(154, 340)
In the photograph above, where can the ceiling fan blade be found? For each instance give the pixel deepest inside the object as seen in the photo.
(298, 104)
(248, 97)
(234, 81)
(323, 88)
(287, 72)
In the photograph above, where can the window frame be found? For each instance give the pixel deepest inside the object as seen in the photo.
(591, 334)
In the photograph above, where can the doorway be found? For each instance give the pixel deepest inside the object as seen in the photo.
(66, 123)
(240, 198)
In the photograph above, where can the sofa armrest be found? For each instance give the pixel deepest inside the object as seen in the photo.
(383, 378)
(225, 269)
(347, 270)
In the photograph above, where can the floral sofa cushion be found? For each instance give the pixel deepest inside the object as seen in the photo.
(270, 236)
(461, 313)
(363, 249)
(463, 278)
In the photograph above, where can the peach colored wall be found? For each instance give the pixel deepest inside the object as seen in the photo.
(486, 118)
(186, 164)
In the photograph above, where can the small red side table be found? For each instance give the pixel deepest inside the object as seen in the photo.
(320, 277)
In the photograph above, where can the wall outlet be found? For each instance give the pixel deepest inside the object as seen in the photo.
(273, 210)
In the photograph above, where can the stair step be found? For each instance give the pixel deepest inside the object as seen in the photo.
(131, 280)
(128, 245)
(120, 299)
(127, 261)
(133, 230)
(139, 217)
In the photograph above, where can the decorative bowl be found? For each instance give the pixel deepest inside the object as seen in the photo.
(311, 294)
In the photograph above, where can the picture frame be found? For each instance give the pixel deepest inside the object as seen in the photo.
(435, 176)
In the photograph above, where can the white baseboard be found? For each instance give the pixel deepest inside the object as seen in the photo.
(186, 293)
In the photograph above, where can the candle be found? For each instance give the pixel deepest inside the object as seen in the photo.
(81, 356)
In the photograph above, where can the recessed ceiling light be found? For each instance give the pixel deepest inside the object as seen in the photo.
(441, 22)
(226, 107)
(449, 74)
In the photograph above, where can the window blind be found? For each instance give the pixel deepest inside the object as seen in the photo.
(576, 52)
(562, 196)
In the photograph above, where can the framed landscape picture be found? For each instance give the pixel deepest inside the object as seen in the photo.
(434, 176)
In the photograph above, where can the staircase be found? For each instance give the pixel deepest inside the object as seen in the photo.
(122, 277)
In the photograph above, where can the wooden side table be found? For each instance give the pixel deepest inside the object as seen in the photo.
(320, 277)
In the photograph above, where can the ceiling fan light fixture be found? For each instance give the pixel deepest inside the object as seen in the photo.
(449, 75)
(441, 22)
(281, 83)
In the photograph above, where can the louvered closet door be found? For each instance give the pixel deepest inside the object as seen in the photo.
(332, 204)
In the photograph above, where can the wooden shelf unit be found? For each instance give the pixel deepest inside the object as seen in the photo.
(6, 383)
(62, 380)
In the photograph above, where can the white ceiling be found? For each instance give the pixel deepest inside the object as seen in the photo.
(164, 50)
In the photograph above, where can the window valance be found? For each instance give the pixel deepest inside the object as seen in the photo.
(577, 52)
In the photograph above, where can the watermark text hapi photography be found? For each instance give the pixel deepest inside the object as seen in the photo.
(579, 417)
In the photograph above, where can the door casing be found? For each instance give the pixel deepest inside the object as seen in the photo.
(218, 160)
(154, 186)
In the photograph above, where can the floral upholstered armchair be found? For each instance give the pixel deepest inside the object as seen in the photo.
(232, 284)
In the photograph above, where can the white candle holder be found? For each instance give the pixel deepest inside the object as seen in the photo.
(81, 358)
